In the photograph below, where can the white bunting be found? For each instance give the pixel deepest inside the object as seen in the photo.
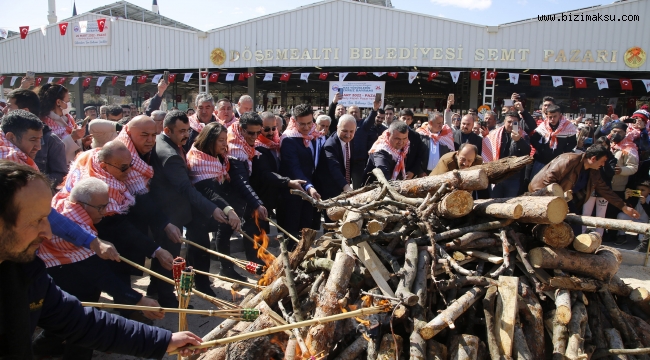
(304, 76)
(342, 76)
(100, 80)
(602, 83)
(379, 74)
(50, 79)
(454, 75)
(129, 80)
(156, 78)
(187, 77)
(3, 33)
(230, 77)
(514, 78)
(647, 85)
(268, 77)
(13, 80)
(557, 81)
(74, 80)
(412, 76)
(83, 25)
(44, 30)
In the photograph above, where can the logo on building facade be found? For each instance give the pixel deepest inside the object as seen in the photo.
(218, 56)
(634, 57)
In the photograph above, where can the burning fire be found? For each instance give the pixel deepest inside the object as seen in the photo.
(235, 296)
(262, 242)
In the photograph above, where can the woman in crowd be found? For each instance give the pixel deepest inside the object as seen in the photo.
(208, 163)
(55, 108)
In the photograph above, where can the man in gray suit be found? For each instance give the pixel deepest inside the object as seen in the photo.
(177, 197)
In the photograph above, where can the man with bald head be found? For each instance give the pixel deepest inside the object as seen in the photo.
(244, 105)
(466, 135)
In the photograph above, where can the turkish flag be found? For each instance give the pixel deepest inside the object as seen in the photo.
(241, 77)
(432, 75)
(285, 77)
(362, 73)
(534, 80)
(142, 79)
(393, 75)
(626, 84)
(2, 79)
(38, 81)
(204, 74)
(581, 83)
(475, 75)
(213, 77)
(86, 82)
(323, 76)
(574, 104)
(63, 27)
(631, 103)
(247, 75)
(179, 98)
(61, 81)
(491, 75)
(114, 80)
(146, 95)
(98, 90)
(100, 24)
(172, 78)
(23, 31)
(122, 92)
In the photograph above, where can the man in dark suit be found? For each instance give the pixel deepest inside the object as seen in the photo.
(172, 187)
(334, 172)
(367, 133)
(299, 154)
(465, 134)
(389, 153)
(415, 150)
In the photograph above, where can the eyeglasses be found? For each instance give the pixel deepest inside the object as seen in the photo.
(123, 169)
(253, 133)
(100, 208)
(267, 129)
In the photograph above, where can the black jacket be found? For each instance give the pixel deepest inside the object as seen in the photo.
(365, 137)
(543, 151)
(416, 152)
(472, 139)
(426, 151)
(331, 168)
(297, 160)
(331, 111)
(172, 187)
(154, 104)
(240, 180)
(384, 161)
(51, 158)
(29, 298)
(265, 179)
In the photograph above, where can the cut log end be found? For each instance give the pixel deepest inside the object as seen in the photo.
(456, 204)
(375, 226)
(640, 294)
(554, 235)
(587, 243)
(557, 210)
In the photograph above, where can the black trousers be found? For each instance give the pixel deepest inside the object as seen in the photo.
(356, 172)
(294, 214)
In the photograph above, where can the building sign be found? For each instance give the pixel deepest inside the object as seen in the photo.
(92, 36)
(358, 93)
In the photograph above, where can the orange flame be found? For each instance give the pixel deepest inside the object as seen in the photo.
(262, 242)
(235, 296)
(366, 337)
(273, 339)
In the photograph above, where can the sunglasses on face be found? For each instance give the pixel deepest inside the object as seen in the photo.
(253, 133)
(267, 129)
(123, 168)
(99, 208)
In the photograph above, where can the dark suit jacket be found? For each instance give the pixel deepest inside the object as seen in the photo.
(172, 187)
(384, 161)
(330, 173)
(266, 179)
(416, 152)
(297, 160)
(473, 139)
(240, 179)
(426, 148)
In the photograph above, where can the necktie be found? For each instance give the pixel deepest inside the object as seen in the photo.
(347, 163)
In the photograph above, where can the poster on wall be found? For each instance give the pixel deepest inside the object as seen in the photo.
(92, 36)
(358, 93)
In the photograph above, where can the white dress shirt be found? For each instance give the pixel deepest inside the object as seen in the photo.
(434, 154)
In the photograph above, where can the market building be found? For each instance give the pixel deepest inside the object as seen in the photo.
(417, 56)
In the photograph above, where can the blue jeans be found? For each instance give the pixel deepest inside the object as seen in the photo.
(537, 166)
(507, 188)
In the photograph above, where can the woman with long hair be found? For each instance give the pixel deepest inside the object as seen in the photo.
(54, 112)
(208, 163)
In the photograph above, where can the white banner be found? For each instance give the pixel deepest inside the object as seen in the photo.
(358, 93)
(13, 80)
(454, 75)
(602, 83)
(100, 80)
(50, 79)
(156, 78)
(268, 77)
(187, 77)
(230, 76)
(74, 80)
(412, 76)
(304, 76)
(557, 81)
(647, 85)
(91, 35)
(342, 76)
(514, 78)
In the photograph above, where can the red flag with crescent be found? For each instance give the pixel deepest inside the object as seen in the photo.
(63, 27)
(100, 24)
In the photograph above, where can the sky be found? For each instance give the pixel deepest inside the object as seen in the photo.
(33, 13)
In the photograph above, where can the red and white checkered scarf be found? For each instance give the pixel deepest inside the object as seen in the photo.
(273, 145)
(56, 251)
(227, 123)
(445, 137)
(87, 164)
(565, 128)
(9, 151)
(57, 127)
(203, 166)
(492, 144)
(238, 148)
(627, 146)
(399, 156)
(141, 173)
(196, 124)
(292, 131)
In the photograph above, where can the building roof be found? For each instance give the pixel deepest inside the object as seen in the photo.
(126, 10)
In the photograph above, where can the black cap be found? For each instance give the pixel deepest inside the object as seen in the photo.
(619, 125)
(89, 108)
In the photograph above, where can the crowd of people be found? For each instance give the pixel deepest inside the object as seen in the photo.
(130, 182)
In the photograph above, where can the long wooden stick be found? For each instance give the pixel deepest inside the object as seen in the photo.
(223, 256)
(283, 230)
(225, 278)
(217, 302)
(276, 329)
(226, 314)
(252, 240)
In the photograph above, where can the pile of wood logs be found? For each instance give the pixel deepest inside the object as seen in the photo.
(467, 279)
